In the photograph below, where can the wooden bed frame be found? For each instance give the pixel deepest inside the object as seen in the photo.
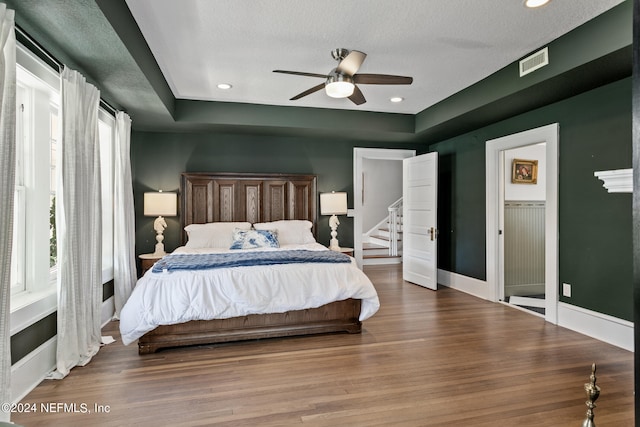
(222, 197)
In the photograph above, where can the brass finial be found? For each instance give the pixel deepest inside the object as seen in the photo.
(593, 391)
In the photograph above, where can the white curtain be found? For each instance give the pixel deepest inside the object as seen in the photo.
(124, 262)
(79, 225)
(7, 185)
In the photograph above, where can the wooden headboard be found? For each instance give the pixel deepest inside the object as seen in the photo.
(223, 197)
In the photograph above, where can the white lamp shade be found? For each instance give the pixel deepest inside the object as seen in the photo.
(160, 204)
(333, 203)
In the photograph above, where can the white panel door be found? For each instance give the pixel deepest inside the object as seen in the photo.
(419, 228)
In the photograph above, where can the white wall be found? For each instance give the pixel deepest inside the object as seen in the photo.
(529, 192)
(382, 187)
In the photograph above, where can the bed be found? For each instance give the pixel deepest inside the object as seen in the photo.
(298, 288)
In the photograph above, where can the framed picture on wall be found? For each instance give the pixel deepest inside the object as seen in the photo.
(524, 171)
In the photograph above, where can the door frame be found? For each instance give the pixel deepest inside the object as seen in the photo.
(359, 155)
(494, 173)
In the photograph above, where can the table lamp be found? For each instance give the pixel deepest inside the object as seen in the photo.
(333, 204)
(160, 204)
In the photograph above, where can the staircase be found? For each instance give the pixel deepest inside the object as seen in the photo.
(383, 243)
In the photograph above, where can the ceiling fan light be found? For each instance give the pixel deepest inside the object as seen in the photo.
(535, 3)
(339, 89)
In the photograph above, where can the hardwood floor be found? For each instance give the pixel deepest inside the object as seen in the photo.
(427, 358)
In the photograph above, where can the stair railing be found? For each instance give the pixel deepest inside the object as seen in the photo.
(395, 226)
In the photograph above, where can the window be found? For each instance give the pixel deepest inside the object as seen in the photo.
(33, 263)
(35, 254)
(53, 160)
(106, 135)
(19, 223)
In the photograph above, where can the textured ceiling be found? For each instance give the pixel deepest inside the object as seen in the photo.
(444, 45)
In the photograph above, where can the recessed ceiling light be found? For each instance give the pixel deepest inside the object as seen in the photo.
(535, 3)
(396, 99)
(224, 86)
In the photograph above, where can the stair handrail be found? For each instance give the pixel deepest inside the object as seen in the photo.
(394, 226)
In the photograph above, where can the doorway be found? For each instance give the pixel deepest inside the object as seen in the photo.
(370, 161)
(522, 220)
(497, 172)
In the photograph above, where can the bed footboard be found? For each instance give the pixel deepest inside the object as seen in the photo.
(339, 316)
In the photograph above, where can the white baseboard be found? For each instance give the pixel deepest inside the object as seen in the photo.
(382, 261)
(29, 371)
(464, 284)
(596, 325)
(108, 309)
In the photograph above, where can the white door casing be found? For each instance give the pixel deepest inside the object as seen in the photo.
(419, 245)
(494, 149)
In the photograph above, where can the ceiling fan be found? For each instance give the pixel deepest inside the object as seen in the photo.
(341, 81)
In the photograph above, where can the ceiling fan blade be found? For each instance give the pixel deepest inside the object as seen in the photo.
(351, 63)
(308, 92)
(357, 97)
(300, 73)
(381, 79)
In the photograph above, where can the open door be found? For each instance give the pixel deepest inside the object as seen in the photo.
(420, 191)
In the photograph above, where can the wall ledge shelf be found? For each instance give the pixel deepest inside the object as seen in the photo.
(616, 181)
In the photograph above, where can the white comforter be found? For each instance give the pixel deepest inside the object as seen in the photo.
(180, 296)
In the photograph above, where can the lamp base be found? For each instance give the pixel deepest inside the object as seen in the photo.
(159, 252)
(333, 224)
(159, 225)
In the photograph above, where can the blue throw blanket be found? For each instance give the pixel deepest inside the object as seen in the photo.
(173, 262)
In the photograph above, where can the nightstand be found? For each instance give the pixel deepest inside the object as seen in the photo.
(346, 251)
(147, 261)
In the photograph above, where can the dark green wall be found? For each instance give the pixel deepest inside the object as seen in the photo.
(461, 205)
(28, 339)
(158, 159)
(595, 226)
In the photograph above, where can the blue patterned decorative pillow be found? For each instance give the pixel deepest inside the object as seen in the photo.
(252, 239)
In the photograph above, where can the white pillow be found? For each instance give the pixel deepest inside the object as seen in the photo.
(290, 232)
(213, 234)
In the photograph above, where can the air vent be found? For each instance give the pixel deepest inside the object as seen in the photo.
(535, 61)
